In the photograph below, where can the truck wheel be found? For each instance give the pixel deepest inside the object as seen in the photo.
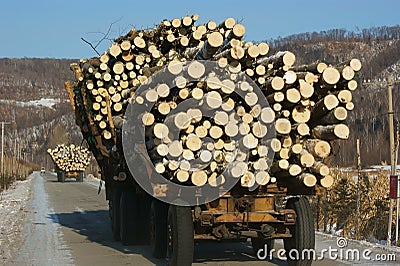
(143, 218)
(260, 243)
(115, 214)
(80, 177)
(303, 234)
(180, 236)
(63, 177)
(158, 228)
(129, 225)
(59, 176)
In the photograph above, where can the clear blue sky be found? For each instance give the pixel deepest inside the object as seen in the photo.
(53, 28)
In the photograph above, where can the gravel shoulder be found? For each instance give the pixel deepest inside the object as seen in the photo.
(14, 209)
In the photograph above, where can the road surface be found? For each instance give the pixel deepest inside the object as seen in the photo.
(69, 225)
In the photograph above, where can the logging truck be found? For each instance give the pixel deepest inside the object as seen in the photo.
(227, 152)
(70, 161)
(63, 175)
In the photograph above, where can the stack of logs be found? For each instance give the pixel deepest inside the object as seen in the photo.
(308, 104)
(70, 158)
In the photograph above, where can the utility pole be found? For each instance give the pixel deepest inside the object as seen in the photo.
(3, 178)
(397, 192)
(392, 154)
(358, 189)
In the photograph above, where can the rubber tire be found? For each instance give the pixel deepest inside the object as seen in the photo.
(128, 219)
(62, 177)
(303, 232)
(259, 243)
(143, 218)
(80, 177)
(115, 214)
(158, 228)
(180, 236)
(58, 176)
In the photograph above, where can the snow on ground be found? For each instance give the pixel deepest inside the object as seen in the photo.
(13, 210)
(44, 102)
(42, 226)
(362, 242)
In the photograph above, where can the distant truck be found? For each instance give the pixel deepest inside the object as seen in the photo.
(63, 175)
(70, 161)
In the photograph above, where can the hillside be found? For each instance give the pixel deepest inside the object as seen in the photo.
(33, 95)
(379, 50)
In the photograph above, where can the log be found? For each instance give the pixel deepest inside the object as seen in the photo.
(320, 168)
(296, 148)
(276, 97)
(199, 178)
(262, 178)
(354, 63)
(302, 129)
(196, 70)
(344, 96)
(216, 180)
(301, 114)
(182, 176)
(279, 166)
(275, 83)
(213, 99)
(267, 115)
(318, 148)
(248, 179)
(327, 181)
(316, 67)
(290, 77)
(259, 130)
(293, 96)
(249, 141)
(294, 170)
(323, 106)
(193, 142)
(221, 118)
(232, 130)
(339, 114)
(308, 179)
(164, 108)
(330, 76)
(308, 77)
(306, 159)
(331, 132)
(306, 90)
(282, 58)
(175, 148)
(210, 47)
(286, 142)
(160, 131)
(283, 126)
(347, 73)
(261, 164)
(215, 132)
(182, 120)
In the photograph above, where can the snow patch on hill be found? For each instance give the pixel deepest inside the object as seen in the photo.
(43, 102)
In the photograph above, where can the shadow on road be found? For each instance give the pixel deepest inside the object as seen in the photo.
(95, 226)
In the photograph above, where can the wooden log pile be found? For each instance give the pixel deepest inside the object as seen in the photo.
(70, 158)
(308, 104)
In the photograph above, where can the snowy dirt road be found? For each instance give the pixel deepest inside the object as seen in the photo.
(68, 224)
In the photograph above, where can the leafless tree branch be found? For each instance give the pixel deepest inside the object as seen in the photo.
(91, 45)
(105, 37)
